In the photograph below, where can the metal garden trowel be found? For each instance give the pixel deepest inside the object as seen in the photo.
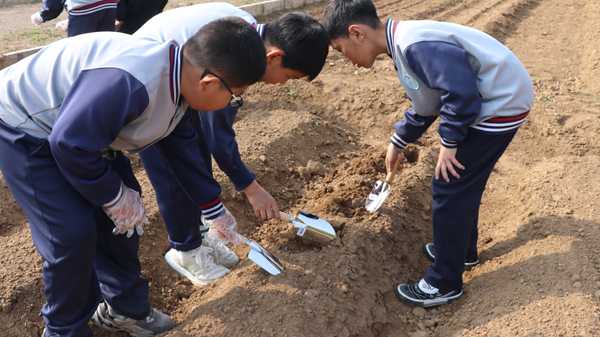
(311, 227)
(381, 190)
(261, 257)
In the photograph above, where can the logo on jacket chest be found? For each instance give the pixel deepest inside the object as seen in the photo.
(409, 81)
(406, 79)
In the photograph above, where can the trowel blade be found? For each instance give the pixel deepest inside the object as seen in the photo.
(313, 228)
(377, 197)
(265, 260)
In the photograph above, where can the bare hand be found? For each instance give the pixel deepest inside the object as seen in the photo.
(447, 162)
(393, 157)
(264, 205)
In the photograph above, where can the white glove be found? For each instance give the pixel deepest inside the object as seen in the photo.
(62, 25)
(224, 226)
(127, 212)
(36, 19)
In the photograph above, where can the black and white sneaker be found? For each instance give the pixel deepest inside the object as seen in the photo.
(155, 323)
(425, 295)
(429, 251)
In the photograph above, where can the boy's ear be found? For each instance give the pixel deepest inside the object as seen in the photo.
(356, 32)
(274, 55)
(208, 82)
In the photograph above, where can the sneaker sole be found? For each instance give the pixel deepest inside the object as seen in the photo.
(431, 258)
(99, 323)
(183, 272)
(229, 265)
(131, 332)
(424, 304)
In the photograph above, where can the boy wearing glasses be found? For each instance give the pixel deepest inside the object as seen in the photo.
(482, 94)
(296, 46)
(66, 113)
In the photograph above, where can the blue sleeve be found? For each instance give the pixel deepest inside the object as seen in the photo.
(217, 129)
(51, 9)
(446, 67)
(411, 128)
(99, 104)
(184, 155)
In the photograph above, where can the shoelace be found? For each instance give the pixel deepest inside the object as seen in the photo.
(219, 246)
(418, 293)
(218, 243)
(427, 287)
(204, 259)
(150, 318)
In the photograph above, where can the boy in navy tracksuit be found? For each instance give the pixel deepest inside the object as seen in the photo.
(66, 113)
(85, 16)
(133, 14)
(482, 94)
(297, 46)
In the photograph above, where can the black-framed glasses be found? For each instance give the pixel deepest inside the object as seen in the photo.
(235, 101)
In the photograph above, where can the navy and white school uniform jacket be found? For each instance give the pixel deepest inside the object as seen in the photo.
(217, 131)
(52, 8)
(102, 91)
(463, 75)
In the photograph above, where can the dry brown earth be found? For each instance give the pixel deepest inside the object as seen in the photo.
(319, 146)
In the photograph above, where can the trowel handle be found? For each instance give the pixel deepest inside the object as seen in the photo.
(389, 178)
(285, 216)
(241, 239)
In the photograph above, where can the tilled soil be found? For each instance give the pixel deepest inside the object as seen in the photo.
(319, 146)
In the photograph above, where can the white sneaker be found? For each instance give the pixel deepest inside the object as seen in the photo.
(223, 255)
(196, 265)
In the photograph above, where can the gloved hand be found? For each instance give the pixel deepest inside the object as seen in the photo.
(36, 19)
(127, 212)
(224, 227)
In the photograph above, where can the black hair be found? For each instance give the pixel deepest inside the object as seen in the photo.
(340, 14)
(230, 48)
(303, 40)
